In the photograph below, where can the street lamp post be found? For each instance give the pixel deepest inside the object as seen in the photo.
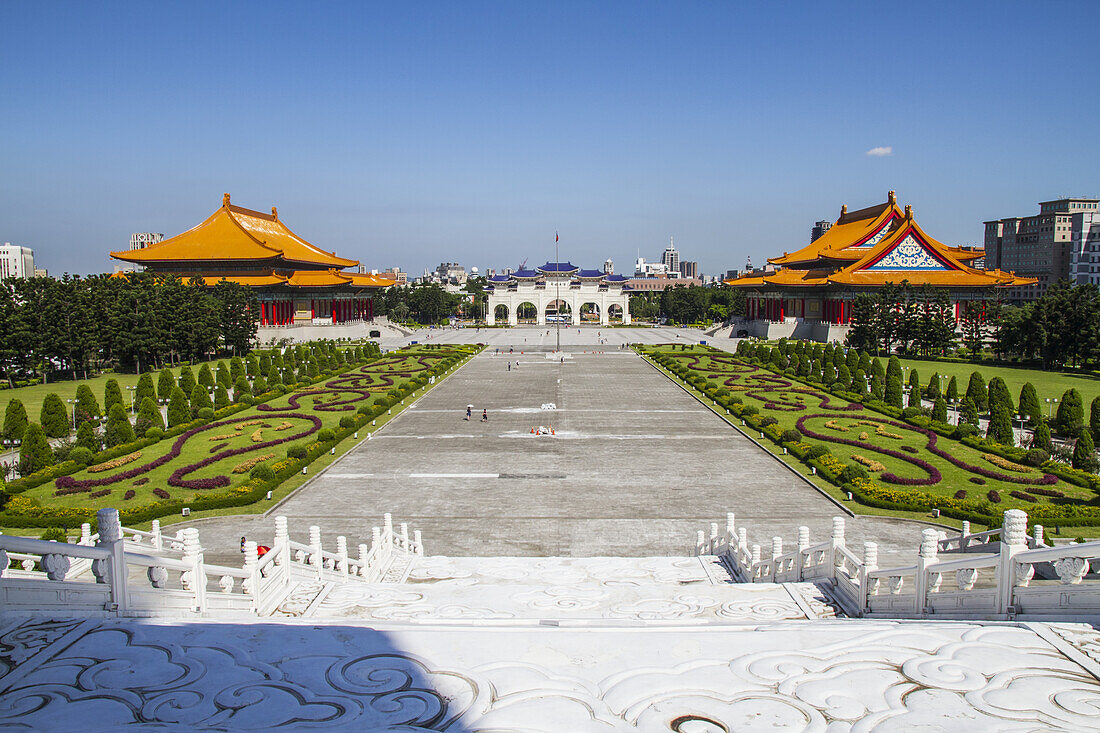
(132, 390)
(73, 403)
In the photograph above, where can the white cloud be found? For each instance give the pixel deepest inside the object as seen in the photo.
(881, 151)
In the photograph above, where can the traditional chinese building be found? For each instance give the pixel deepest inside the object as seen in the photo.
(297, 282)
(558, 292)
(810, 295)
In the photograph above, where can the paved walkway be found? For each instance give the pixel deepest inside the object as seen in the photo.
(635, 468)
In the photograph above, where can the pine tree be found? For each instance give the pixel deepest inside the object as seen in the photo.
(223, 377)
(1071, 414)
(273, 377)
(240, 389)
(236, 369)
(54, 418)
(259, 385)
(893, 368)
(265, 363)
(313, 368)
(1084, 453)
(165, 383)
(843, 377)
(865, 362)
(952, 393)
(1000, 426)
(968, 412)
(1030, 408)
(206, 377)
(976, 391)
(186, 379)
(86, 437)
(852, 360)
(1041, 438)
(200, 399)
(933, 390)
(893, 391)
(15, 420)
(87, 407)
(118, 430)
(145, 389)
(148, 417)
(859, 383)
(35, 452)
(939, 410)
(221, 398)
(251, 367)
(999, 395)
(179, 411)
(914, 389)
(112, 395)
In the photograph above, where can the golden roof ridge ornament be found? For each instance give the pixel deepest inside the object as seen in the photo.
(225, 199)
(892, 197)
(275, 213)
(908, 211)
(843, 209)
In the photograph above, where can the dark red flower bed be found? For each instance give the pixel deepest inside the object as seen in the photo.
(960, 494)
(994, 496)
(934, 476)
(130, 494)
(1022, 496)
(161, 494)
(100, 493)
(1046, 492)
(140, 482)
(977, 480)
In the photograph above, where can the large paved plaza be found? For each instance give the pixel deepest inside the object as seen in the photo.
(634, 468)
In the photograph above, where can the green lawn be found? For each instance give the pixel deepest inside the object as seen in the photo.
(1048, 385)
(903, 457)
(229, 448)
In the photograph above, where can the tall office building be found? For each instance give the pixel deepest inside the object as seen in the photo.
(689, 268)
(820, 227)
(1039, 246)
(1085, 248)
(671, 258)
(16, 261)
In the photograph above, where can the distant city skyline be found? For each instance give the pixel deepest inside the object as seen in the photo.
(413, 135)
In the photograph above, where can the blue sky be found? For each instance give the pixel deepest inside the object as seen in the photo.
(411, 133)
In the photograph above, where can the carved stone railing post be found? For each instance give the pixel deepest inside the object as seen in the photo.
(755, 562)
(419, 540)
(342, 552)
(1037, 535)
(837, 541)
(777, 550)
(315, 558)
(731, 529)
(800, 557)
(85, 535)
(112, 571)
(251, 584)
(743, 537)
(282, 542)
(405, 536)
(364, 553)
(387, 528)
(158, 538)
(868, 586)
(194, 579)
(700, 543)
(923, 585)
(1013, 542)
(963, 541)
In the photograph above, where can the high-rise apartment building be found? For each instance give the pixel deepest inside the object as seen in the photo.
(689, 268)
(1038, 246)
(820, 227)
(16, 261)
(140, 240)
(1085, 248)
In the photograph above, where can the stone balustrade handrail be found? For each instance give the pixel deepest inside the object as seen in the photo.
(1005, 590)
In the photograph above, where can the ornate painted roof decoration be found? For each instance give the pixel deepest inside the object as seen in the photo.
(558, 268)
(875, 246)
(233, 233)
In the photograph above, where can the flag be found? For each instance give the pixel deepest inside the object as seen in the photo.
(555, 236)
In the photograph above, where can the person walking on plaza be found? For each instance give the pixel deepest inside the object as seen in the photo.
(469, 411)
(484, 415)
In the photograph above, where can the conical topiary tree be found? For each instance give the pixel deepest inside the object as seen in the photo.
(265, 363)
(1000, 426)
(859, 383)
(998, 395)
(35, 452)
(236, 369)
(843, 377)
(112, 395)
(54, 418)
(952, 393)
(893, 368)
(968, 412)
(222, 376)
(165, 383)
(86, 437)
(241, 389)
(914, 389)
(87, 407)
(932, 392)
(148, 417)
(259, 385)
(878, 387)
(206, 377)
(977, 392)
(1030, 409)
(1084, 452)
(145, 389)
(893, 391)
(1071, 414)
(186, 380)
(221, 398)
(1041, 438)
(15, 420)
(200, 399)
(118, 430)
(939, 410)
(179, 411)
(1094, 419)
(273, 377)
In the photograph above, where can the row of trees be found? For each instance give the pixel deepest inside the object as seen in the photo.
(690, 304)
(920, 319)
(135, 322)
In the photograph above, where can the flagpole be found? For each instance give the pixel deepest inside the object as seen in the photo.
(557, 289)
